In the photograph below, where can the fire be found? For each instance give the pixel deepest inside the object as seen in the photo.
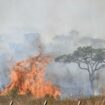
(29, 76)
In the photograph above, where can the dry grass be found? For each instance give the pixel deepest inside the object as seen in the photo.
(29, 100)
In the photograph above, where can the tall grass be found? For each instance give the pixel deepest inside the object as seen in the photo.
(29, 100)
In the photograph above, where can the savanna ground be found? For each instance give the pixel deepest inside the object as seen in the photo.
(29, 100)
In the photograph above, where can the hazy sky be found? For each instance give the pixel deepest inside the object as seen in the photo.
(52, 17)
(48, 18)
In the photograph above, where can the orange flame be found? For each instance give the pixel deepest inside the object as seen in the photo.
(28, 76)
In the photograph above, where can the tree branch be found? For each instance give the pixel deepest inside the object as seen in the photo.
(79, 65)
(96, 65)
(101, 67)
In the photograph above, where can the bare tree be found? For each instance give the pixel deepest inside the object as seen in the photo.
(88, 59)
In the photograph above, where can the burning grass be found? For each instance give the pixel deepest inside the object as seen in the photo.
(29, 87)
(28, 77)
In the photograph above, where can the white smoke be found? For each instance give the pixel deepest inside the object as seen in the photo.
(68, 76)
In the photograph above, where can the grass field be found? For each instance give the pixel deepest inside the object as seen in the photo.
(29, 100)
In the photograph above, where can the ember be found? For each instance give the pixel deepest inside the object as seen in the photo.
(28, 77)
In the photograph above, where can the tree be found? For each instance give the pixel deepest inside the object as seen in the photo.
(88, 59)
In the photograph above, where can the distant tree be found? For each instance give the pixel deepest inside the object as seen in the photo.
(88, 59)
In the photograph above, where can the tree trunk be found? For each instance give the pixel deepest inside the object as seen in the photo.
(91, 78)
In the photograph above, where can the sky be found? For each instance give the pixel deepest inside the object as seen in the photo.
(52, 17)
(60, 24)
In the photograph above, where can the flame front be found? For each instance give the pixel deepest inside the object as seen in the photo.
(28, 76)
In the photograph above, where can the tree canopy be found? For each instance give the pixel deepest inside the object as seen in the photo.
(86, 57)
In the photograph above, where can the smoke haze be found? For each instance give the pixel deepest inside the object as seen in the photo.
(60, 26)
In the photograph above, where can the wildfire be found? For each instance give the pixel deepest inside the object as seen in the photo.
(28, 77)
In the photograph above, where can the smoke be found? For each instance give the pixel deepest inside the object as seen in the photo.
(13, 49)
(68, 77)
